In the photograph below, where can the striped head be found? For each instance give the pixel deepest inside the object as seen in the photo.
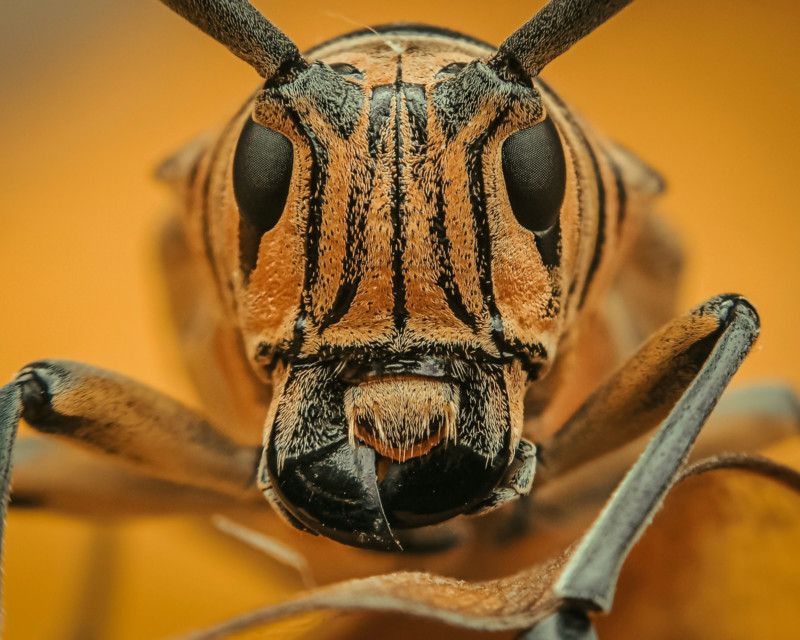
(402, 230)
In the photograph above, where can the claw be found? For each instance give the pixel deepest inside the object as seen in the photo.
(334, 491)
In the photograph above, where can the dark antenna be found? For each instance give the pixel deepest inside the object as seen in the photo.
(554, 29)
(239, 26)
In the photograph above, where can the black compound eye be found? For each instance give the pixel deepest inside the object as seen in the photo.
(262, 171)
(536, 175)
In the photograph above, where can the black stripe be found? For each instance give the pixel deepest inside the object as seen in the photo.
(600, 236)
(249, 244)
(373, 356)
(417, 111)
(446, 279)
(380, 107)
(548, 244)
(477, 196)
(317, 178)
(399, 312)
(622, 195)
(352, 268)
(208, 246)
(357, 208)
(535, 354)
(417, 108)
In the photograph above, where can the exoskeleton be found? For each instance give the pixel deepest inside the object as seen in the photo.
(397, 251)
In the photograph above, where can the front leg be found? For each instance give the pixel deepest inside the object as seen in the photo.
(113, 415)
(693, 358)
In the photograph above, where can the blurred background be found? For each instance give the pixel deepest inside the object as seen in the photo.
(93, 93)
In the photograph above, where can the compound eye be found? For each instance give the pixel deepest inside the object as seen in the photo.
(536, 175)
(262, 171)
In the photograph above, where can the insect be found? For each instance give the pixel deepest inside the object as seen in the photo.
(398, 278)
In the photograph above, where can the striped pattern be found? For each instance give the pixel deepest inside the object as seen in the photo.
(397, 253)
(397, 237)
(397, 304)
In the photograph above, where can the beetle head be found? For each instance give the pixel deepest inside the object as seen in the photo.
(388, 233)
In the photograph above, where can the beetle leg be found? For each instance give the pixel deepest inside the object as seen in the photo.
(10, 412)
(747, 419)
(567, 624)
(694, 358)
(110, 414)
(640, 394)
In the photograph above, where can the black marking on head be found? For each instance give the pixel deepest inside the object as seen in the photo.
(399, 313)
(548, 243)
(298, 332)
(535, 352)
(361, 358)
(338, 101)
(477, 197)
(353, 266)
(380, 108)
(446, 279)
(318, 174)
(249, 243)
(417, 111)
(456, 100)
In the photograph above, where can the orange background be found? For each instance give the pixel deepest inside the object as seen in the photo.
(94, 92)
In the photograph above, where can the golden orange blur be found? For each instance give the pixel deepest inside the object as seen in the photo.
(93, 93)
